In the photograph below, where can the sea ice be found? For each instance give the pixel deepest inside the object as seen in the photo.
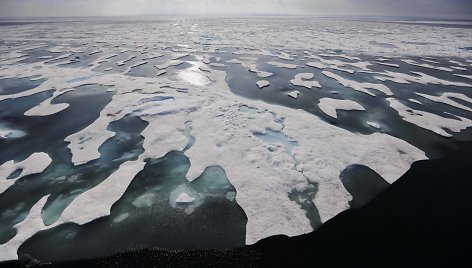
(223, 130)
(425, 65)
(429, 121)
(123, 62)
(446, 99)
(415, 101)
(373, 124)
(418, 77)
(294, 94)
(168, 64)
(34, 164)
(330, 106)
(282, 65)
(97, 201)
(184, 198)
(361, 87)
(262, 83)
(301, 80)
(317, 65)
(249, 63)
(389, 64)
(24, 230)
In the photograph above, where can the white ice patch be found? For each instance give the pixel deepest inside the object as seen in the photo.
(46, 108)
(221, 139)
(458, 63)
(459, 68)
(194, 75)
(184, 198)
(177, 56)
(330, 106)
(418, 77)
(415, 101)
(430, 121)
(34, 164)
(97, 202)
(429, 66)
(168, 64)
(134, 66)
(282, 65)
(389, 64)
(302, 80)
(361, 87)
(337, 64)
(24, 230)
(317, 65)
(123, 62)
(294, 94)
(214, 64)
(250, 64)
(353, 58)
(154, 55)
(373, 124)
(446, 99)
(9, 133)
(84, 144)
(263, 83)
(464, 76)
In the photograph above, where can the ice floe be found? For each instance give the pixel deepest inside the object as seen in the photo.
(362, 65)
(417, 77)
(425, 65)
(184, 198)
(97, 202)
(250, 64)
(373, 124)
(282, 65)
(389, 64)
(294, 94)
(262, 83)
(123, 62)
(34, 164)
(330, 106)
(317, 65)
(47, 108)
(464, 76)
(169, 64)
(446, 99)
(361, 87)
(429, 121)
(9, 133)
(303, 80)
(24, 230)
(415, 101)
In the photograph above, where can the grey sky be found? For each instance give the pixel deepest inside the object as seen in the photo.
(423, 8)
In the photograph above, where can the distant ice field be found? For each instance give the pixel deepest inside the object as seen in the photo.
(213, 133)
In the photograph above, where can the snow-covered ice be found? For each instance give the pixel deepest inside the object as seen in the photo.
(263, 83)
(266, 149)
(294, 94)
(304, 80)
(430, 121)
(34, 164)
(330, 106)
(361, 87)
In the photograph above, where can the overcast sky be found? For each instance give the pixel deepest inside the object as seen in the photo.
(423, 8)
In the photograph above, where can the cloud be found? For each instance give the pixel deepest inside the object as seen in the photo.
(423, 8)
